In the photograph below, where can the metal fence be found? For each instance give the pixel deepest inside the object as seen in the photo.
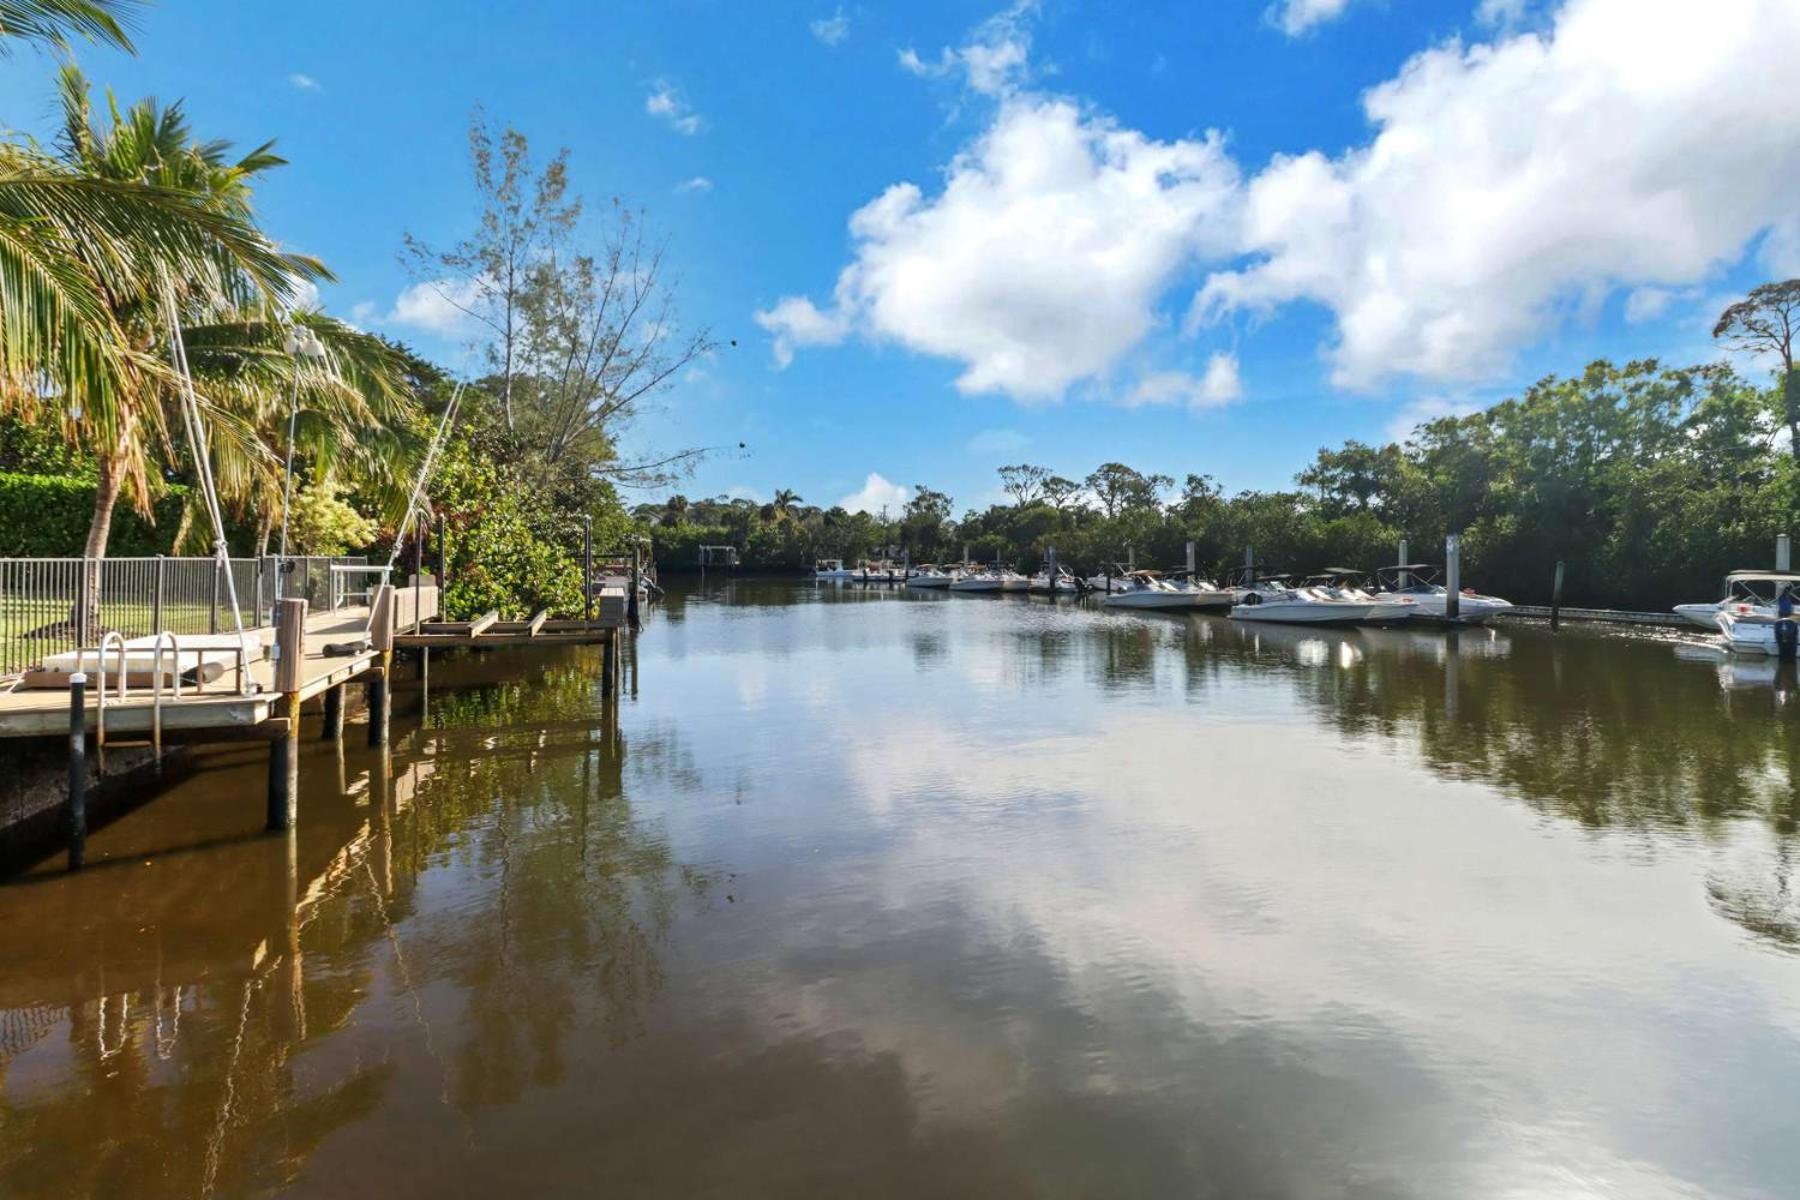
(50, 605)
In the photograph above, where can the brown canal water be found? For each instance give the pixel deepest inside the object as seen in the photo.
(864, 894)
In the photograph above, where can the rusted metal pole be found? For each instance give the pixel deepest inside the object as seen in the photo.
(77, 770)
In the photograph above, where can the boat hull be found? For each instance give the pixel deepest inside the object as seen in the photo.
(1176, 601)
(1302, 614)
(930, 581)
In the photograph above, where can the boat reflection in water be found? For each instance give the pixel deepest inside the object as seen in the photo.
(878, 892)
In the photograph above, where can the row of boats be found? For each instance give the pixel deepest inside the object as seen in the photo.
(1336, 596)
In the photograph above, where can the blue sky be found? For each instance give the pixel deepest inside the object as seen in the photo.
(1190, 237)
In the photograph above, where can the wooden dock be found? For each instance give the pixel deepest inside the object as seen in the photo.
(304, 656)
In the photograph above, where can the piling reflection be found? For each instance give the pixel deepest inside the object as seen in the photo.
(212, 992)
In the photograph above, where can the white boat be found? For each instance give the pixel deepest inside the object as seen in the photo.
(1116, 581)
(980, 581)
(1271, 599)
(1203, 594)
(1418, 582)
(1064, 585)
(832, 569)
(1346, 583)
(928, 576)
(1145, 589)
(1752, 633)
(1746, 592)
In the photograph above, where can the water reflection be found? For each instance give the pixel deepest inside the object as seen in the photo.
(227, 1001)
(866, 893)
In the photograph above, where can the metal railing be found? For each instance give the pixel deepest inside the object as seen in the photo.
(52, 605)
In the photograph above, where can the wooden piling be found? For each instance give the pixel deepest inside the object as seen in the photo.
(637, 582)
(77, 770)
(1556, 597)
(334, 712)
(381, 638)
(284, 747)
(609, 672)
(587, 568)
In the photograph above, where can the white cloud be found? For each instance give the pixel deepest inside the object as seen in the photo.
(1427, 408)
(740, 491)
(996, 59)
(305, 83)
(1647, 304)
(877, 493)
(306, 294)
(998, 442)
(1041, 261)
(1504, 13)
(698, 183)
(796, 321)
(1217, 387)
(1295, 17)
(667, 104)
(834, 29)
(434, 306)
(1635, 142)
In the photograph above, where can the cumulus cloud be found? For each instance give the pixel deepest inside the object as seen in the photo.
(667, 104)
(1217, 387)
(1635, 142)
(439, 306)
(698, 183)
(1295, 17)
(832, 30)
(996, 59)
(796, 321)
(877, 493)
(1501, 12)
(1648, 303)
(1041, 261)
(998, 442)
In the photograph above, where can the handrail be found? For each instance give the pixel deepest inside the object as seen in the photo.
(100, 710)
(164, 637)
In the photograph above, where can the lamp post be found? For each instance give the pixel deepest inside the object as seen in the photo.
(302, 343)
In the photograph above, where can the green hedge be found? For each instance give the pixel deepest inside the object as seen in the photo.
(47, 516)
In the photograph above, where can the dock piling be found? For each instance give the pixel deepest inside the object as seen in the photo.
(1784, 555)
(334, 712)
(609, 672)
(284, 747)
(77, 770)
(1453, 577)
(381, 637)
(637, 582)
(587, 568)
(1405, 577)
(1556, 585)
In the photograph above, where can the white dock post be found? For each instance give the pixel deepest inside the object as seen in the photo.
(1783, 553)
(1405, 577)
(1453, 576)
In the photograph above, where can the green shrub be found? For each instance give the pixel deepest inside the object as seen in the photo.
(47, 516)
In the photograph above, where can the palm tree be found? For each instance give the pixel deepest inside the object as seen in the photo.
(53, 22)
(355, 407)
(784, 501)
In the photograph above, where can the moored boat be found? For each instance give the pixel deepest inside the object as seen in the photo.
(832, 569)
(1746, 593)
(1271, 598)
(1418, 582)
(1146, 589)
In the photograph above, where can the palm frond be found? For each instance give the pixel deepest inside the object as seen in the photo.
(55, 22)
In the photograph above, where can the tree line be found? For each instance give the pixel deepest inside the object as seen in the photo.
(1649, 482)
(129, 227)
